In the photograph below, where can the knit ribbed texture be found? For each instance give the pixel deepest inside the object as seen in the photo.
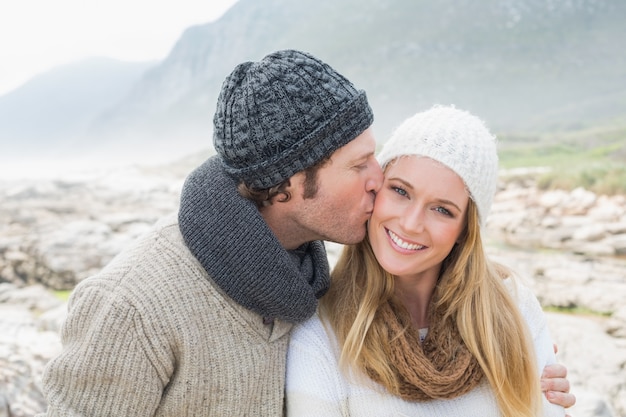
(230, 238)
(458, 140)
(316, 387)
(283, 114)
(151, 335)
(440, 367)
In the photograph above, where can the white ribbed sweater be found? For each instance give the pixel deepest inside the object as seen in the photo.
(316, 387)
(151, 335)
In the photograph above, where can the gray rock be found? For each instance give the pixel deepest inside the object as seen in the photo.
(616, 325)
(590, 233)
(591, 404)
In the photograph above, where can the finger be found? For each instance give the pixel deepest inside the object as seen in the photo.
(555, 385)
(563, 399)
(555, 370)
(556, 348)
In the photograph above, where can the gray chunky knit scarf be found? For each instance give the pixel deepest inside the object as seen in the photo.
(227, 234)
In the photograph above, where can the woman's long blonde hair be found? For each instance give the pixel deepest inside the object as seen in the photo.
(471, 293)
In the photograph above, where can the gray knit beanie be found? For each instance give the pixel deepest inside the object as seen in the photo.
(457, 139)
(283, 114)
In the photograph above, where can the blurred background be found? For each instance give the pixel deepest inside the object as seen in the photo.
(105, 107)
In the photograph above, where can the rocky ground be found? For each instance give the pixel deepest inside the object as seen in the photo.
(571, 246)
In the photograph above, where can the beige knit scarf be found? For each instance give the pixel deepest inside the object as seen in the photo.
(440, 367)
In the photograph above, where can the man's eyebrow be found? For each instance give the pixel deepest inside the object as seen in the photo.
(364, 156)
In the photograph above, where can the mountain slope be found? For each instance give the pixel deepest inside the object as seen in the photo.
(522, 65)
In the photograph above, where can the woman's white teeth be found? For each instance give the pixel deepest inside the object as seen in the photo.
(404, 245)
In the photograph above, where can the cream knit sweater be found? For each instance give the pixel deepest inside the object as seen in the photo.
(316, 387)
(151, 335)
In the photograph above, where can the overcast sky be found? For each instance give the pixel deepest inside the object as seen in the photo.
(37, 35)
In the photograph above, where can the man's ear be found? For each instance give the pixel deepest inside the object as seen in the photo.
(294, 188)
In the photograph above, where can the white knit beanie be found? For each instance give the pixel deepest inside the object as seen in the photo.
(458, 140)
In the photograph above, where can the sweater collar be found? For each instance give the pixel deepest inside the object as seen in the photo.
(234, 244)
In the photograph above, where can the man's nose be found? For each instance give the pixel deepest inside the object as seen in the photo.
(375, 180)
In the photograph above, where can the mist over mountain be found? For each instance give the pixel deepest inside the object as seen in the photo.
(52, 112)
(523, 66)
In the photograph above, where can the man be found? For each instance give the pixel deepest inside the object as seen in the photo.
(194, 319)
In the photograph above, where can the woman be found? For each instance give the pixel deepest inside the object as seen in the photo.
(418, 321)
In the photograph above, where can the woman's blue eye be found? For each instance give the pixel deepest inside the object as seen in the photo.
(399, 190)
(444, 210)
